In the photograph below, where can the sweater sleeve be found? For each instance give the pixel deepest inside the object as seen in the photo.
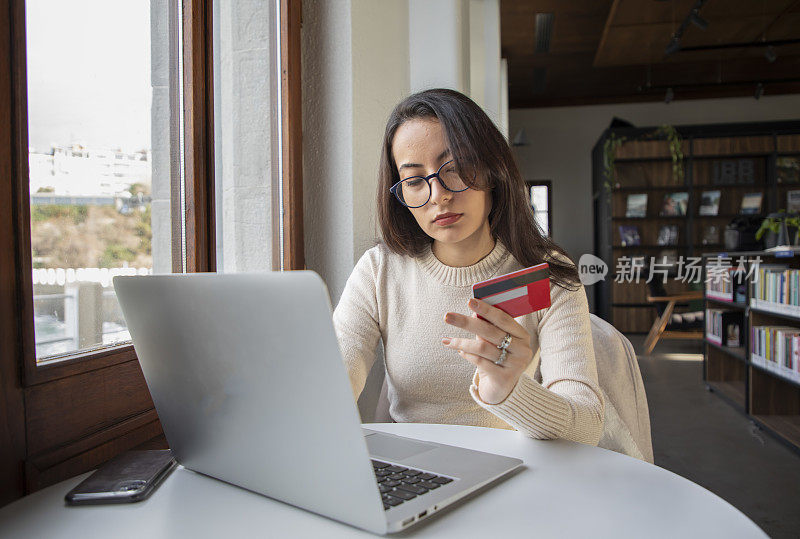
(356, 321)
(568, 403)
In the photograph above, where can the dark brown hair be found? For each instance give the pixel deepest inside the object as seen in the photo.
(480, 152)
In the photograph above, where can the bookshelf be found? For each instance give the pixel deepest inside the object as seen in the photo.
(733, 159)
(759, 378)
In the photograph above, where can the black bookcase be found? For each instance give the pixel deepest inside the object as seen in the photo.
(735, 159)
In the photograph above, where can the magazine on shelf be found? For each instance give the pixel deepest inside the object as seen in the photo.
(637, 205)
(751, 203)
(675, 204)
(668, 259)
(710, 234)
(709, 202)
(667, 235)
(793, 201)
(787, 170)
(629, 235)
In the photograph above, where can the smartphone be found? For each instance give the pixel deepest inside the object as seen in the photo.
(129, 477)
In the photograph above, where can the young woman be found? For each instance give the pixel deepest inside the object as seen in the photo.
(453, 211)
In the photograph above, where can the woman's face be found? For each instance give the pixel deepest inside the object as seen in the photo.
(419, 149)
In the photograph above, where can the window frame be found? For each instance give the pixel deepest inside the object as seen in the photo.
(32, 455)
(549, 184)
(198, 173)
(291, 104)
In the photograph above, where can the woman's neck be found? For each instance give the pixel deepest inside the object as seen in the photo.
(466, 252)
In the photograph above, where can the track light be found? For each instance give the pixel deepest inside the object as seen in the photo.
(759, 91)
(770, 55)
(698, 21)
(668, 96)
(673, 46)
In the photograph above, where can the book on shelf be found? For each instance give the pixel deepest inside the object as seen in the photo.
(776, 349)
(710, 234)
(787, 169)
(636, 205)
(675, 204)
(629, 235)
(793, 201)
(709, 202)
(777, 283)
(722, 283)
(751, 203)
(667, 235)
(724, 327)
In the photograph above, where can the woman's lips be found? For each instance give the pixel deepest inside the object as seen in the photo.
(448, 219)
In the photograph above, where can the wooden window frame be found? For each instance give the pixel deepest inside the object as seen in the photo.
(41, 440)
(291, 104)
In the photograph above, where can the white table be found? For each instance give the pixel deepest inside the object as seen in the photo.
(565, 490)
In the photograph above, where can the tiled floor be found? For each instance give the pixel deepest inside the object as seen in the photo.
(699, 436)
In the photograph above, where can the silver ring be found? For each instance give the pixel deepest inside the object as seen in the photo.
(502, 357)
(506, 342)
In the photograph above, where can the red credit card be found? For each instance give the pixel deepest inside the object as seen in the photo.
(518, 293)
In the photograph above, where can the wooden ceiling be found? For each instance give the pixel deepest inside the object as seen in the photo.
(614, 51)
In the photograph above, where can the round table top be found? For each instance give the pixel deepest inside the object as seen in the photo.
(564, 490)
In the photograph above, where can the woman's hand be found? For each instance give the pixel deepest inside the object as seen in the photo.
(496, 381)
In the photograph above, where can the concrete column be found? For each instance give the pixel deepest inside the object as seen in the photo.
(438, 44)
(484, 58)
(246, 134)
(84, 313)
(328, 196)
(160, 142)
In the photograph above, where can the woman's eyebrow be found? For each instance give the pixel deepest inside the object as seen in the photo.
(417, 165)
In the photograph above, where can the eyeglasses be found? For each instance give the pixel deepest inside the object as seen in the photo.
(415, 192)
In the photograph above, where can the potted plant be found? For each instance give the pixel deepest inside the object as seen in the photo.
(775, 227)
(793, 225)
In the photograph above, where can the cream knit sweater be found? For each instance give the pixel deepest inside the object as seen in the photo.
(403, 300)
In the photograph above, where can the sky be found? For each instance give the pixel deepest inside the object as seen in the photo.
(88, 73)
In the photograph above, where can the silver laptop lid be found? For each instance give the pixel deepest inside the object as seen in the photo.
(248, 382)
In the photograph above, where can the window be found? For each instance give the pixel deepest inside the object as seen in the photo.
(540, 195)
(92, 219)
(123, 181)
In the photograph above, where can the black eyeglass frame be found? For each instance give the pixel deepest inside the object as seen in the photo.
(393, 189)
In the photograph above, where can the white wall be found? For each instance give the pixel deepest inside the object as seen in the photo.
(328, 140)
(562, 138)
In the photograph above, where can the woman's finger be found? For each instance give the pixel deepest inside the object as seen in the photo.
(479, 327)
(478, 347)
(479, 361)
(498, 318)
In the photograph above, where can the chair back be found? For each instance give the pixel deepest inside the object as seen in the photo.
(627, 417)
(655, 289)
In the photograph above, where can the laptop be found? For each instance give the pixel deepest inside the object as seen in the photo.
(250, 387)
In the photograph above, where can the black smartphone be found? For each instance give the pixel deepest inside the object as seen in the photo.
(129, 477)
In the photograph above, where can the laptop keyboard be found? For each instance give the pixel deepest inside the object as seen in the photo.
(398, 484)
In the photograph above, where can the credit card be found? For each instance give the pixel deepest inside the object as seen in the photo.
(517, 293)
